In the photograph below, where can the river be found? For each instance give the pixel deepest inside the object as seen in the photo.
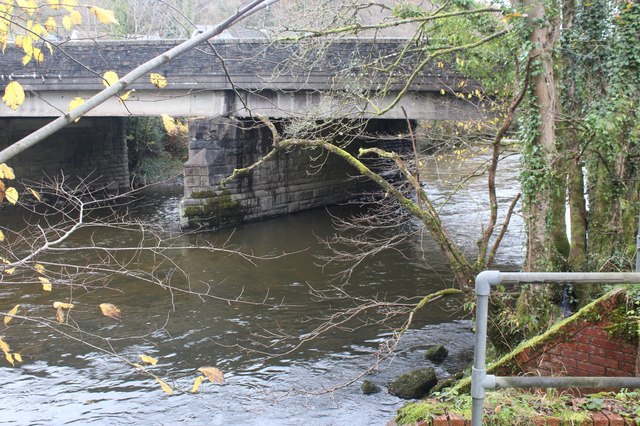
(65, 381)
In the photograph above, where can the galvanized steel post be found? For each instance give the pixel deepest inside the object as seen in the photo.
(484, 281)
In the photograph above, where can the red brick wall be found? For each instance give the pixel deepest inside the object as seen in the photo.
(582, 348)
(589, 352)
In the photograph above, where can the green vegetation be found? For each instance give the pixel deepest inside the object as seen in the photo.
(155, 155)
(509, 407)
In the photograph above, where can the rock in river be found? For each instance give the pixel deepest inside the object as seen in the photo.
(368, 387)
(413, 385)
(436, 353)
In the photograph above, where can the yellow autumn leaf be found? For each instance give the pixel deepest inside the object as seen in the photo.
(46, 284)
(197, 383)
(60, 315)
(13, 95)
(63, 305)
(50, 25)
(125, 96)
(75, 103)
(28, 6)
(148, 359)
(165, 387)
(6, 172)
(10, 314)
(104, 15)
(66, 22)
(11, 195)
(213, 374)
(69, 4)
(1, 236)
(110, 310)
(10, 271)
(158, 80)
(27, 45)
(26, 59)
(75, 17)
(39, 268)
(39, 30)
(17, 357)
(34, 193)
(19, 40)
(442, 92)
(4, 346)
(169, 123)
(110, 78)
(9, 358)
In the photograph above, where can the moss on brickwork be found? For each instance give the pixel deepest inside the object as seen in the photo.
(624, 324)
(591, 312)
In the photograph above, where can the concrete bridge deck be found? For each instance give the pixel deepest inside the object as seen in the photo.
(234, 77)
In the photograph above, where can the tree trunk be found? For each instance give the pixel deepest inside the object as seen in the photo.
(548, 246)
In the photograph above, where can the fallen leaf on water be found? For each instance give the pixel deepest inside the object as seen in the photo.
(197, 383)
(9, 358)
(110, 310)
(4, 346)
(213, 374)
(39, 268)
(62, 305)
(148, 359)
(17, 357)
(10, 314)
(46, 284)
(165, 387)
(60, 315)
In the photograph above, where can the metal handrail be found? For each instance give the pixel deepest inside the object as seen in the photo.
(480, 380)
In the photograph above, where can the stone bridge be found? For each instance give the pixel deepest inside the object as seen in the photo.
(222, 86)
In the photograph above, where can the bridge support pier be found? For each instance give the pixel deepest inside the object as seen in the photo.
(93, 150)
(295, 180)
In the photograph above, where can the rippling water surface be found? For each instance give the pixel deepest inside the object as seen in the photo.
(65, 381)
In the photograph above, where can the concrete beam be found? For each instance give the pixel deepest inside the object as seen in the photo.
(271, 103)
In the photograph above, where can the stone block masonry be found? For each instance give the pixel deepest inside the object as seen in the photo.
(93, 150)
(292, 181)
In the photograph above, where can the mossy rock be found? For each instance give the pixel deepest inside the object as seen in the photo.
(436, 354)
(367, 387)
(413, 385)
(447, 383)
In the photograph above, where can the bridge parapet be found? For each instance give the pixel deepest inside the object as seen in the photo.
(229, 77)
